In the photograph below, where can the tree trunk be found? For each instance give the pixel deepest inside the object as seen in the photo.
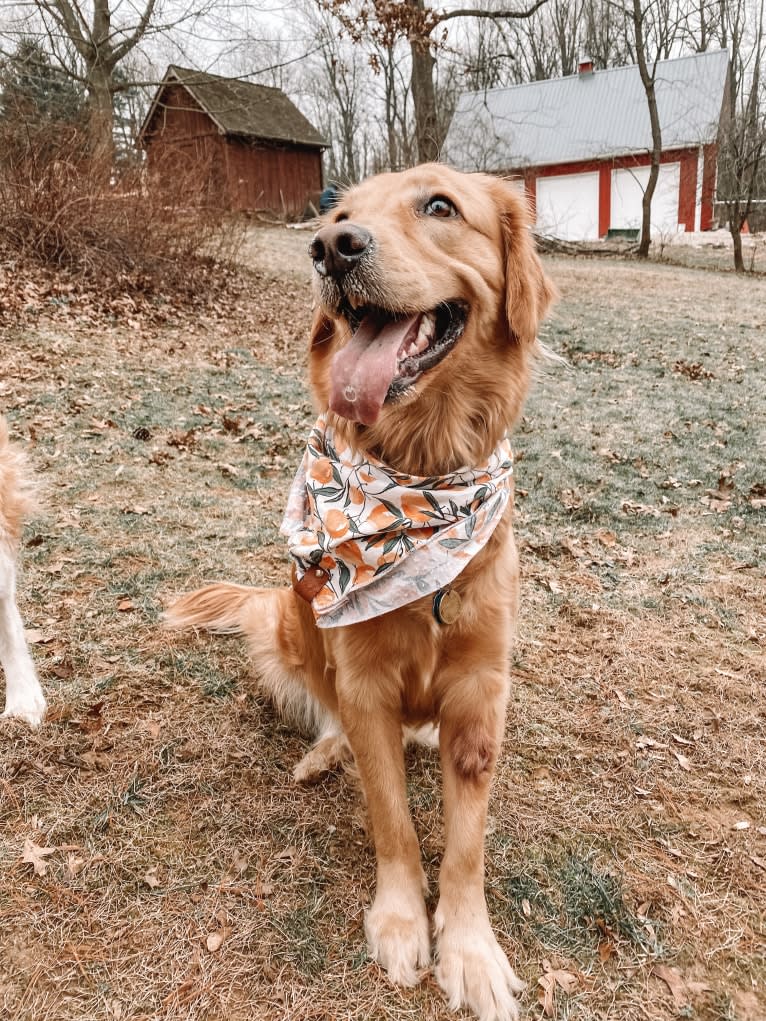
(101, 120)
(736, 237)
(423, 93)
(648, 81)
(646, 208)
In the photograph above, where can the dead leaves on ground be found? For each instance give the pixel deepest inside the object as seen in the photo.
(551, 980)
(35, 856)
(682, 991)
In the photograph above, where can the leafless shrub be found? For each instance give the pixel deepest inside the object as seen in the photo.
(121, 232)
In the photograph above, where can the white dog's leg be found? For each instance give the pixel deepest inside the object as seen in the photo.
(23, 695)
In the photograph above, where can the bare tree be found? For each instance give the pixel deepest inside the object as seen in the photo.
(655, 25)
(414, 21)
(90, 40)
(742, 141)
(386, 61)
(604, 36)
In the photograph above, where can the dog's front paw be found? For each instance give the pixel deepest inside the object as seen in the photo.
(398, 935)
(28, 704)
(471, 968)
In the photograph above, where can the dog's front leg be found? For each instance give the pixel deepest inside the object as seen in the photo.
(23, 695)
(397, 925)
(471, 967)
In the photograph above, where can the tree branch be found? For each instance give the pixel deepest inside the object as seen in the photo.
(130, 41)
(469, 12)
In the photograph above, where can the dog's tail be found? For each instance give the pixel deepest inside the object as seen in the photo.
(221, 608)
(285, 646)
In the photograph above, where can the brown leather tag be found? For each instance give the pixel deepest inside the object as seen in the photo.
(312, 582)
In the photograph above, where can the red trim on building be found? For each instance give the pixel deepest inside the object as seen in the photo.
(709, 160)
(687, 186)
(530, 190)
(687, 190)
(617, 163)
(604, 199)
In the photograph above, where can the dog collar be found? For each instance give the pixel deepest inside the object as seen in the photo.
(366, 539)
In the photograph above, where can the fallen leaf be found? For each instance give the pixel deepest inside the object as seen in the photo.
(125, 605)
(680, 740)
(214, 942)
(606, 538)
(35, 856)
(152, 881)
(571, 499)
(262, 890)
(675, 983)
(74, 865)
(743, 824)
(552, 977)
(606, 950)
(35, 636)
(238, 864)
(683, 762)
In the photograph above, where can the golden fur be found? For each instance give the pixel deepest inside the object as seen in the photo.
(16, 499)
(360, 686)
(23, 697)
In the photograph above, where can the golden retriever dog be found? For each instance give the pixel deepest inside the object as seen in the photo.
(23, 695)
(405, 575)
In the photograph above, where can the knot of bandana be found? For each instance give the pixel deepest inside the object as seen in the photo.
(384, 538)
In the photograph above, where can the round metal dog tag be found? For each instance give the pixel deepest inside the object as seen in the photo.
(447, 606)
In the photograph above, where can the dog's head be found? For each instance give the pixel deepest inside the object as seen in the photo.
(430, 294)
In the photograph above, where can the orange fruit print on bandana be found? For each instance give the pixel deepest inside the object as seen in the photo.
(385, 538)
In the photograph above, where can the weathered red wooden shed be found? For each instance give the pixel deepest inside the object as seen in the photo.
(248, 145)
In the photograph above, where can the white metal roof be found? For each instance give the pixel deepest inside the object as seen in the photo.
(587, 117)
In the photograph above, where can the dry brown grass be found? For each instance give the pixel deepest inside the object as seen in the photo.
(635, 741)
(62, 209)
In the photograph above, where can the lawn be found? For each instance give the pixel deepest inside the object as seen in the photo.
(182, 875)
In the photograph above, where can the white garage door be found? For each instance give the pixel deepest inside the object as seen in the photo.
(628, 188)
(567, 206)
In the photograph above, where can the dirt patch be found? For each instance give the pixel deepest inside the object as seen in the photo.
(189, 877)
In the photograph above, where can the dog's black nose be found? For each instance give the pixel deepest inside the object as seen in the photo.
(338, 247)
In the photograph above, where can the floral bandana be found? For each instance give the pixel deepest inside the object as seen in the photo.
(382, 538)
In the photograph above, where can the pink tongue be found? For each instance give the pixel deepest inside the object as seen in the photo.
(362, 371)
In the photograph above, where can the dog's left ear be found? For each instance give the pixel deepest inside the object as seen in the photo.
(529, 292)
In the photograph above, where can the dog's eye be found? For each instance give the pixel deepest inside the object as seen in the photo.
(439, 206)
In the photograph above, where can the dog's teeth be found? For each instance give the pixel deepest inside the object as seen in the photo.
(426, 329)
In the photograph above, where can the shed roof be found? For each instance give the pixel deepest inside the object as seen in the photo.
(588, 116)
(241, 108)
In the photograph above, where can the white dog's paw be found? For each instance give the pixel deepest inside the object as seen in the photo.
(31, 707)
(473, 971)
(399, 936)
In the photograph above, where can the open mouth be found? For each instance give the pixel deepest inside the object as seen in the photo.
(388, 353)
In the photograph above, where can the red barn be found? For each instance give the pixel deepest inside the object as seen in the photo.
(582, 144)
(247, 144)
